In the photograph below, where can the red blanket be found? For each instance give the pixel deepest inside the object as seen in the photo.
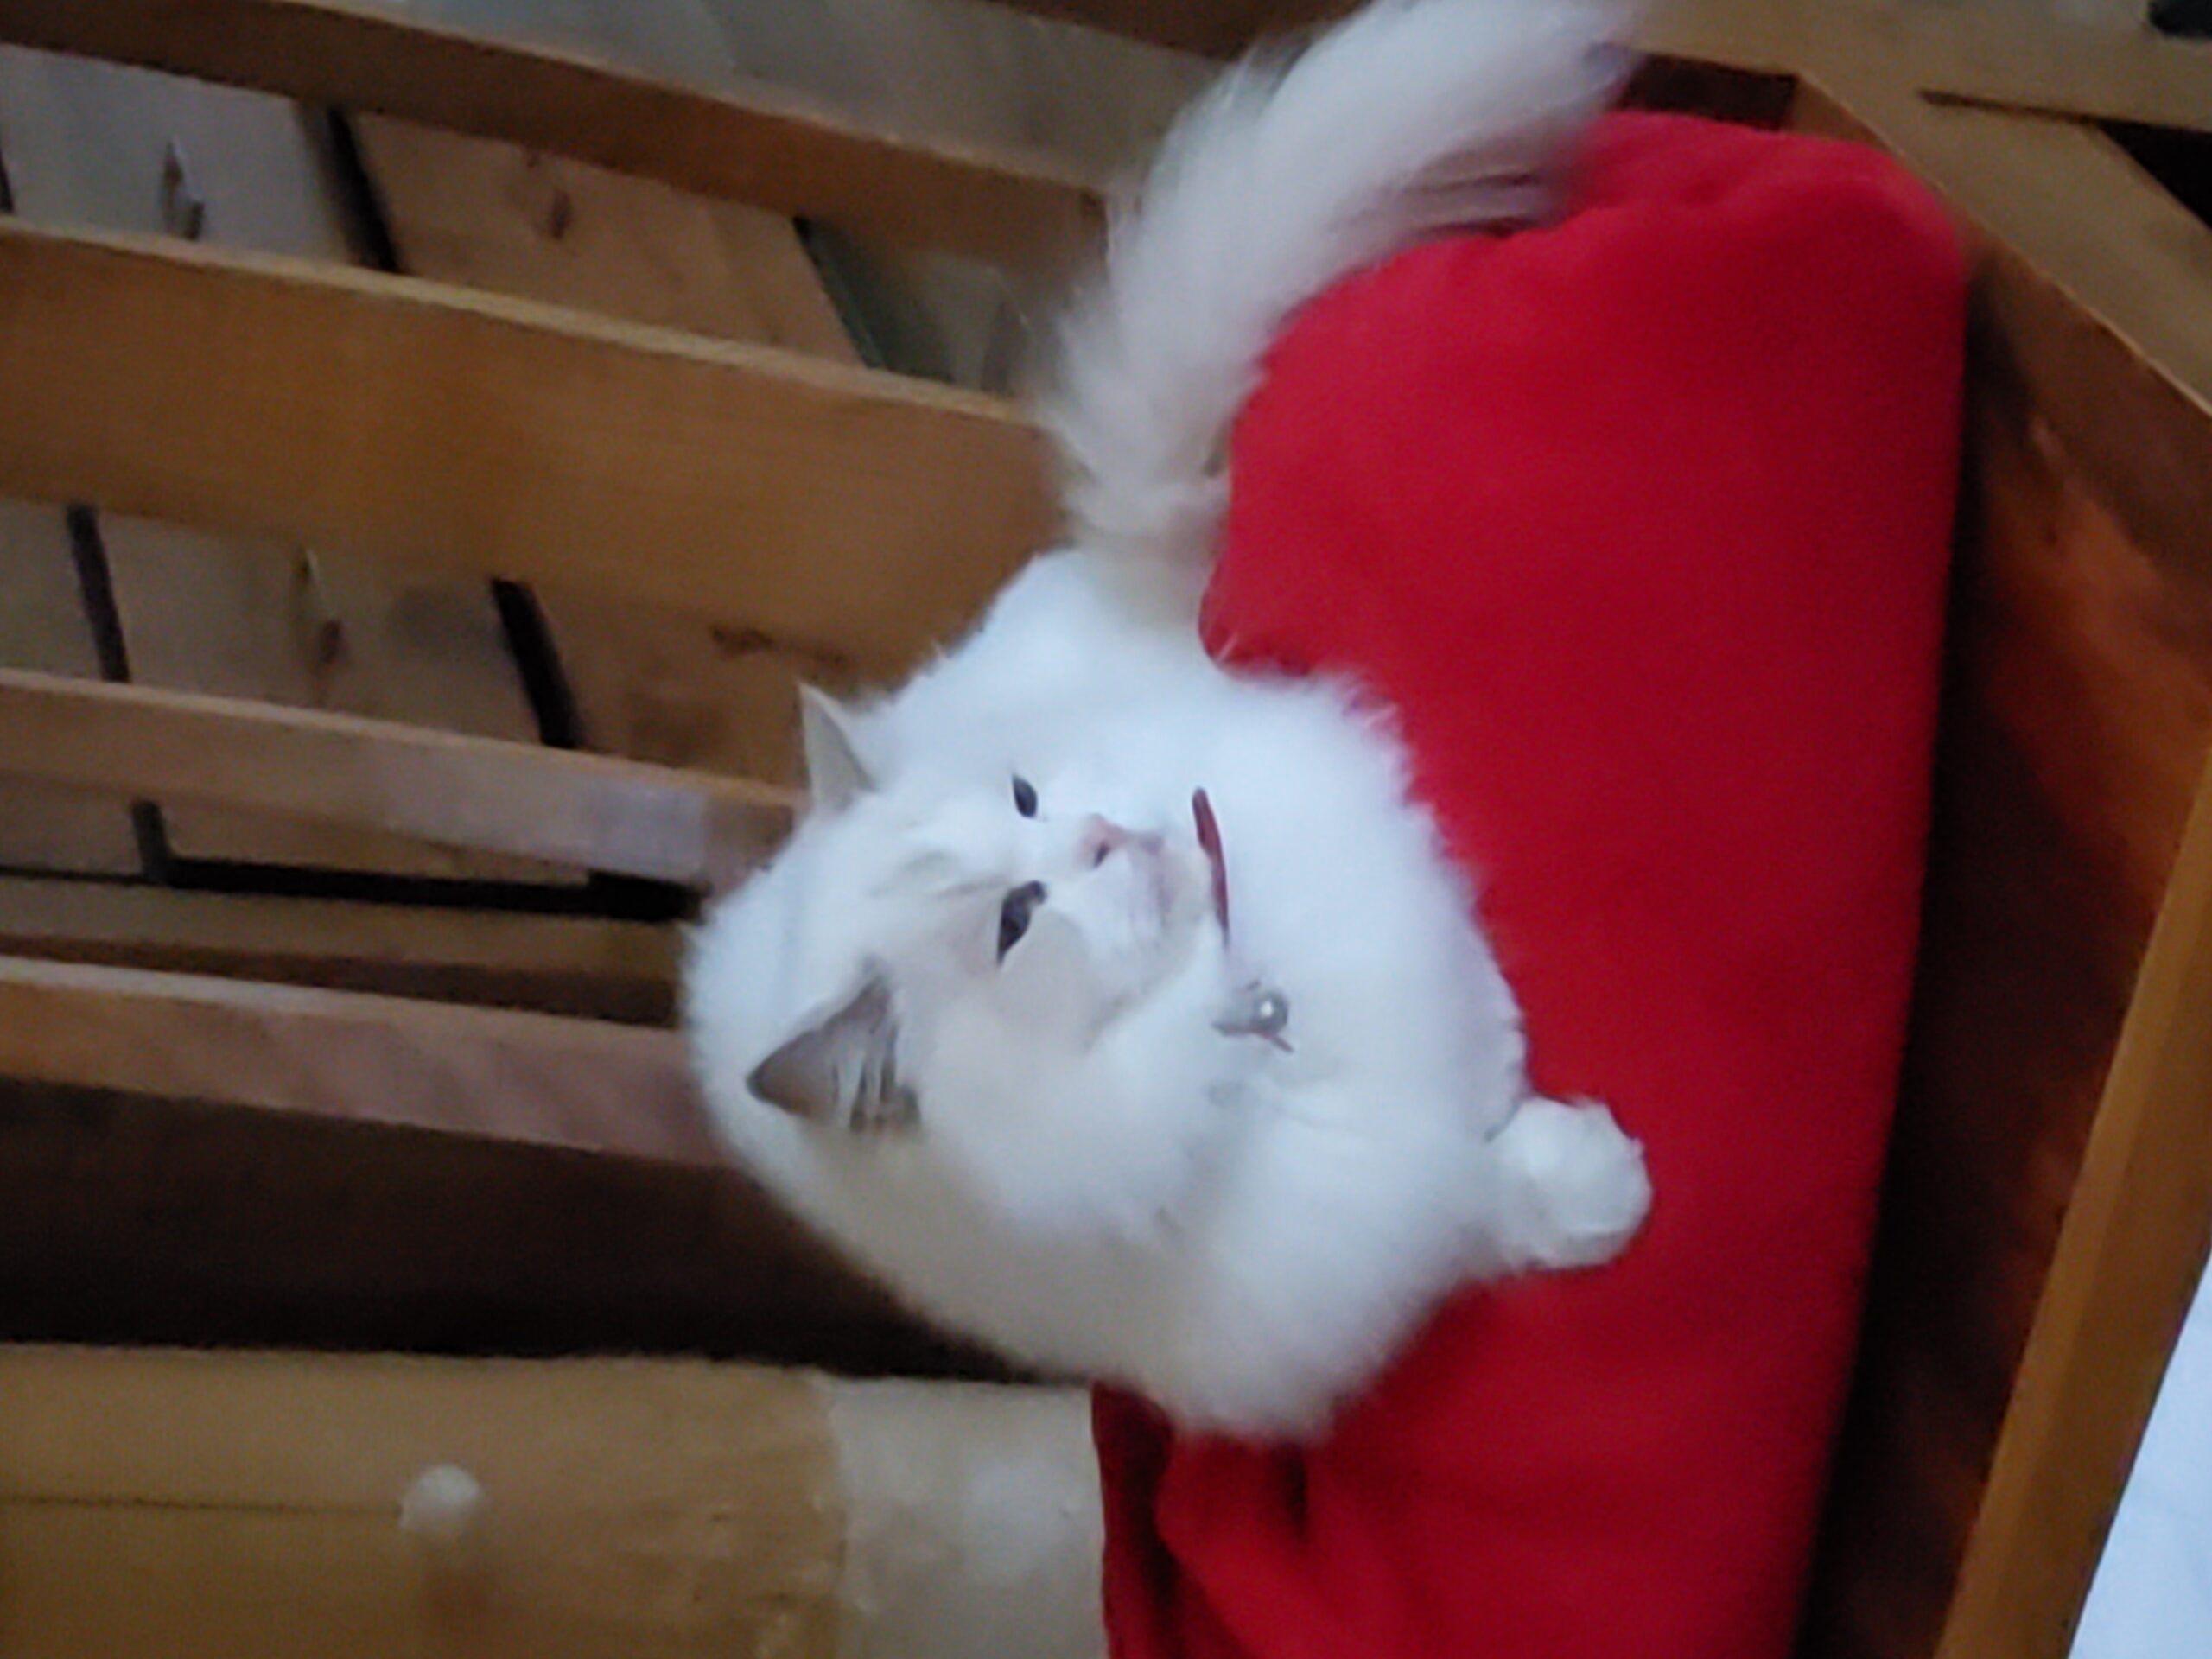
(1641, 521)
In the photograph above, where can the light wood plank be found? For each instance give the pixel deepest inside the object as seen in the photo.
(581, 966)
(2039, 64)
(643, 682)
(2011, 57)
(88, 143)
(757, 144)
(43, 626)
(518, 221)
(560, 806)
(490, 1074)
(385, 416)
(1218, 29)
(991, 77)
(207, 1504)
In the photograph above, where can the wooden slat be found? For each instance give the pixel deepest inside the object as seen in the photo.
(2094, 275)
(989, 76)
(2023, 61)
(200, 1504)
(43, 626)
(643, 682)
(517, 221)
(556, 804)
(1215, 28)
(493, 1074)
(2127, 1264)
(758, 145)
(87, 143)
(2007, 57)
(2077, 721)
(198, 1161)
(581, 966)
(125, 1218)
(381, 416)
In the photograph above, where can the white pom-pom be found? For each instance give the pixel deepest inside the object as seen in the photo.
(444, 1510)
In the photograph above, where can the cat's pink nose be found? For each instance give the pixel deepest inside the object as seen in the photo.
(1103, 838)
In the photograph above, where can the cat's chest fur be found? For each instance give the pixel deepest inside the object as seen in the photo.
(1340, 896)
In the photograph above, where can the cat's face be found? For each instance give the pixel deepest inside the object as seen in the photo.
(977, 935)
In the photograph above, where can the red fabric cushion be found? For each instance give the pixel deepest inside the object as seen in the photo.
(1641, 521)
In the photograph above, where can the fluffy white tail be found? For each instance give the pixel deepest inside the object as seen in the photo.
(1413, 116)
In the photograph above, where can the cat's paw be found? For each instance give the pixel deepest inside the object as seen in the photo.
(1579, 1189)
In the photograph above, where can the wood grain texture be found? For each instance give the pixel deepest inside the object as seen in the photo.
(207, 1504)
(2031, 63)
(525, 1079)
(2121, 1280)
(581, 966)
(581, 809)
(2095, 274)
(645, 682)
(757, 144)
(989, 76)
(384, 416)
(43, 626)
(2009, 58)
(88, 143)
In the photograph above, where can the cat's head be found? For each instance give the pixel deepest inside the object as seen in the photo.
(1014, 969)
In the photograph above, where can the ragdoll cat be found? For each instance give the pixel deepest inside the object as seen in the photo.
(1121, 1009)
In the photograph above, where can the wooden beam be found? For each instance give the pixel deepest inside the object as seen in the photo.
(2098, 280)
(88, 143)
(387, 417)
(989, 76)
(645, 682)
(658, 1511)
(624, 817)
(490, 1074)
(585, 967)
(1216, 28)
(2040, 64)
(2128, 1263)
(2007, 58)
(649, 1509)
(755, 143)
(44, 624)
(198, 1160)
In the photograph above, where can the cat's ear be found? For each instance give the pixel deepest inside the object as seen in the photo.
(835, 772)
(840, 1067)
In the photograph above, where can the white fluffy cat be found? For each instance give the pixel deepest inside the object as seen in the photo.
(986, 1021)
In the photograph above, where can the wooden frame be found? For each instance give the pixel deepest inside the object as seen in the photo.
(650, 821)
(292, 400)
(2023, 62)
(765, 146)
(2059, 1085)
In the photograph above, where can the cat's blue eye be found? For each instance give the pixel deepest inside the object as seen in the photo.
(1024, 798)
(1015, 914)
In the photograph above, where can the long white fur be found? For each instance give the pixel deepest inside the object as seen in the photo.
(1408, 118)
(1099, 1181)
